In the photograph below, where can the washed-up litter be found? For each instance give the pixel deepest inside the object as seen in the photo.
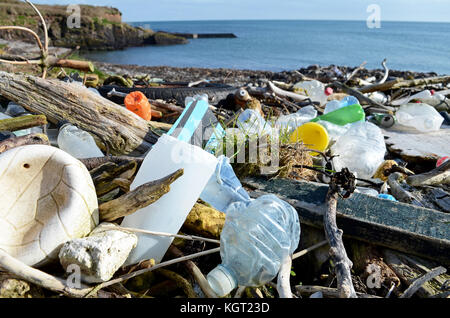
(123, 176)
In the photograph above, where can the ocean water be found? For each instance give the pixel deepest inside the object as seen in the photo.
(288, 45)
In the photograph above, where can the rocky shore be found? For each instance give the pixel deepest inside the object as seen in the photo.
(101, 28)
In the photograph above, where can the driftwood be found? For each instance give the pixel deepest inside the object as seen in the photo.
(411, 269)
(401, 194)
(122, 131)
(326, 291)
(43, 279)
(440, 175)
(31, 139)
(110, 176)
(195, 272)
(361, 97)
(380, 87)
(282, 93)
(139, 198)
(422, 81)
(92, 163)
(22, 122)
(342, 264)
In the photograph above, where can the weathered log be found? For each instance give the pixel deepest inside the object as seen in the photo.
(379, 87)
(31, 139)
(422, 81)
(92, 163)
(122, 130)
(409, 269)
(84, 66)
(338, 254)
(139, 198)
(22, 122)
(326, 291)
(439, 175)
(365, 218)
(105, 175)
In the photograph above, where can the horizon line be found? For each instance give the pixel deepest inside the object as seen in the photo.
(328, 20)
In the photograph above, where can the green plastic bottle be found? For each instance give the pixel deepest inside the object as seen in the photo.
(344, 115)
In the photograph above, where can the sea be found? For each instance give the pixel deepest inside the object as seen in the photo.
(277, 45)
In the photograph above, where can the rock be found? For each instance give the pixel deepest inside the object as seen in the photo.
(100, 254)
(12, 287)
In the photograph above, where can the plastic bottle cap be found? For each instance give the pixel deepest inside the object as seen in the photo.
(221, 281)
(432, 91)
(313, 135)
(329, 91)
(442, 160)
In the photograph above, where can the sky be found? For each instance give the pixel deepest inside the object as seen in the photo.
(168, 10)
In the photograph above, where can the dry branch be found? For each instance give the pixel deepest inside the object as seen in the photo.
(22, 122)
(139, 198)
(439, 175)
(31, 139)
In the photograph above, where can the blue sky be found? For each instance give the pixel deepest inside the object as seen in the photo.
(165, 10)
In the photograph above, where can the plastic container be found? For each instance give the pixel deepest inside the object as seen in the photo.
(77, 142)
(224, 188)
(255, 240)
(336, 104)
(314, 89)
(138, 103)
(344, 115)
(420, 116)
(250, 122)
(290, 122)
(170, 211)
(361, 149)
(312, 135)
(427, 97)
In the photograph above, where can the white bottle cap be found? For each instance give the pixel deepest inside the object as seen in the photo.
(221, 281)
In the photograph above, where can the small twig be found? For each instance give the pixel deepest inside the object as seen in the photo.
(422, 280)
(160, 265)
(386, 72)
(186, 237)
(309, 249)
(44, 25)
(355, 71)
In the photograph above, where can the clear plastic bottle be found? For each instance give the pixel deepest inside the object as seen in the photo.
(252, 123)
(420, 116)
(255, 240)
(292, 121)
(77, 142)
(336, 104)
(224, 188)
(361, 149)
(313, 89)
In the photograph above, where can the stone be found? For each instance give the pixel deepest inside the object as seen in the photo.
(100, 254)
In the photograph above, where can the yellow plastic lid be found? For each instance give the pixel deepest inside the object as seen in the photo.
(312, 135)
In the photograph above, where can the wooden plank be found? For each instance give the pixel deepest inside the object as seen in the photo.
(413, 145)
(399, 226)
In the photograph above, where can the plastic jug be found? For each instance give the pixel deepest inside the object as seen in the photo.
(313, 89)
(361, 149)
(138, 103)
(77, 142)
(420, 116)
(224, 188)
(344, 115)
(170, 211)
(312, 135)
(255, 239)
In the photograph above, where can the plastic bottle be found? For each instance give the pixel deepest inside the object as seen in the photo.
(426, 96)
(170, 211)
(252, 123)
(255, 240)
(336, 104)
(313, 89)
(420, 116)
(361, 149)
(224, 188)
(290, 122)
(344, 115)
(77, 142)
(138, 103)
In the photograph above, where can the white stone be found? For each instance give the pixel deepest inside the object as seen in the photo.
(100, 254)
